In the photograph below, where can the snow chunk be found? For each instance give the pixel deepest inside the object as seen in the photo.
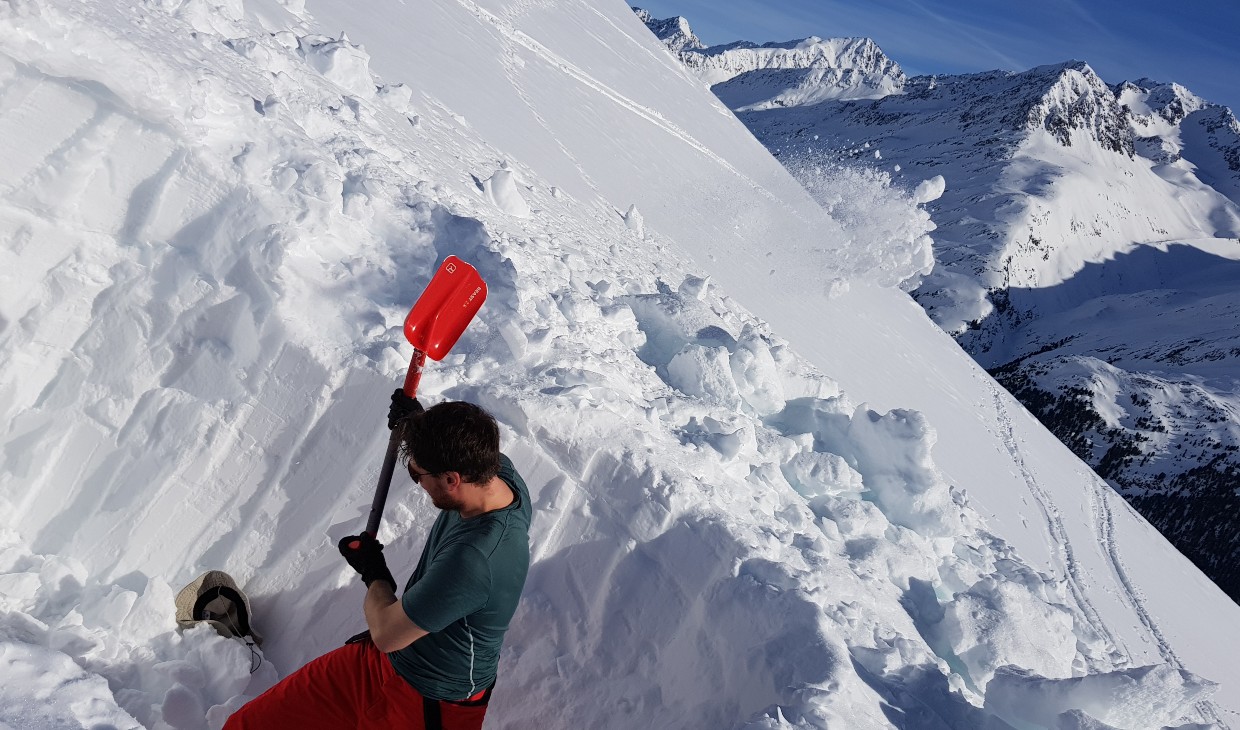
(397, 96)
(929, 190)
(705, 372)
(634, 221)
(893, 455)
(1154, 696)
(339, 61)
(1000, 622)
(756, 373)
(501, 189)
(814, 474)
(693, 287)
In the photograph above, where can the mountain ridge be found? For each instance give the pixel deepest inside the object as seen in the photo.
(755, 76)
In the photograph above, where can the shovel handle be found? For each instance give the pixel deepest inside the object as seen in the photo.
(381, 491)
(412, 377)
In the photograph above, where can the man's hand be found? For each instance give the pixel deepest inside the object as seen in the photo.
(365, 555)
(403, 407)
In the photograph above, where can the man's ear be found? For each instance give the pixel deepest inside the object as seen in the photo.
(453, 479)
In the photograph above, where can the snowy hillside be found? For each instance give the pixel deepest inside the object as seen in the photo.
(1074, 215)
(768, 491)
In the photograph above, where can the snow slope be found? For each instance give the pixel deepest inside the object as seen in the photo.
(756, 503)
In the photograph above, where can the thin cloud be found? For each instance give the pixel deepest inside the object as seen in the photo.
(1082, 13)
(969, 32)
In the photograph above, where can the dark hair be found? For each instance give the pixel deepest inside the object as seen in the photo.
(454, 436)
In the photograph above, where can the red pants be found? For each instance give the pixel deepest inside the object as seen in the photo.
(352, 687)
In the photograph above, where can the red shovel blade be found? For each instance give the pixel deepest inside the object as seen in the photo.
(445, 309)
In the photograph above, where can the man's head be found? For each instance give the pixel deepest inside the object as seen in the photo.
(453, 437)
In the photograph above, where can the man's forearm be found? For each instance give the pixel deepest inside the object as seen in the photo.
(378, 597)
(390, 629)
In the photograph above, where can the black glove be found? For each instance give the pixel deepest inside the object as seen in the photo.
(403, 407)
(365, 555)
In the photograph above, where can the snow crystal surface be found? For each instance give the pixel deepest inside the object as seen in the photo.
(755, 504)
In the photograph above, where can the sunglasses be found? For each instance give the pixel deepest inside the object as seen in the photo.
(416, 476)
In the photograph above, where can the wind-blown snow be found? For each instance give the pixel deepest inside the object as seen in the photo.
(754, 503)
(889, 228)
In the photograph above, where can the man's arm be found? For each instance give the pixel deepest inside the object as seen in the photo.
(390, 628)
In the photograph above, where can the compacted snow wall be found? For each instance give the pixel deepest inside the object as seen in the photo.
(213, 224)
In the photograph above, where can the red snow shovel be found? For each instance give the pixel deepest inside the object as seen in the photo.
(441, 314)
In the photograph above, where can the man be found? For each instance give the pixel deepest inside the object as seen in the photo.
(429, 658)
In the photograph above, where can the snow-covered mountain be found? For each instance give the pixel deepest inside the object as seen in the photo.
(768, 491)
(1086, 255)
(1171, 123)
(747, 76)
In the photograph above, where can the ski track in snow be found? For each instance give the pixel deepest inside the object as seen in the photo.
(1100, 494)
(542, 122)
(1104, 527)
(1061, 544)
(647, 49)
(1104, 523)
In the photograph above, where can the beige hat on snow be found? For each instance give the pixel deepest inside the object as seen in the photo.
(215, 598)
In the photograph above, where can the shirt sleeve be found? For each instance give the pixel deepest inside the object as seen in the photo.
(456, 583)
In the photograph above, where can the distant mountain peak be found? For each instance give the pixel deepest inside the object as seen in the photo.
(674, 32)
(1169, 101)
(748, 76)
(1171, 123)
(1077, 98)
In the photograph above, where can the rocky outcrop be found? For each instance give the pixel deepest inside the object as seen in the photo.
(674, 32)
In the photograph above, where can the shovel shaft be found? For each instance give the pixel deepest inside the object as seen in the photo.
(393, 448)
(414, 375)
(385, 481)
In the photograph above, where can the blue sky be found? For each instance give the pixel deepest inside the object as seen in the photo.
(1195, 43)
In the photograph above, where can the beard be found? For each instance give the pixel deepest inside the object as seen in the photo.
(444, 502)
